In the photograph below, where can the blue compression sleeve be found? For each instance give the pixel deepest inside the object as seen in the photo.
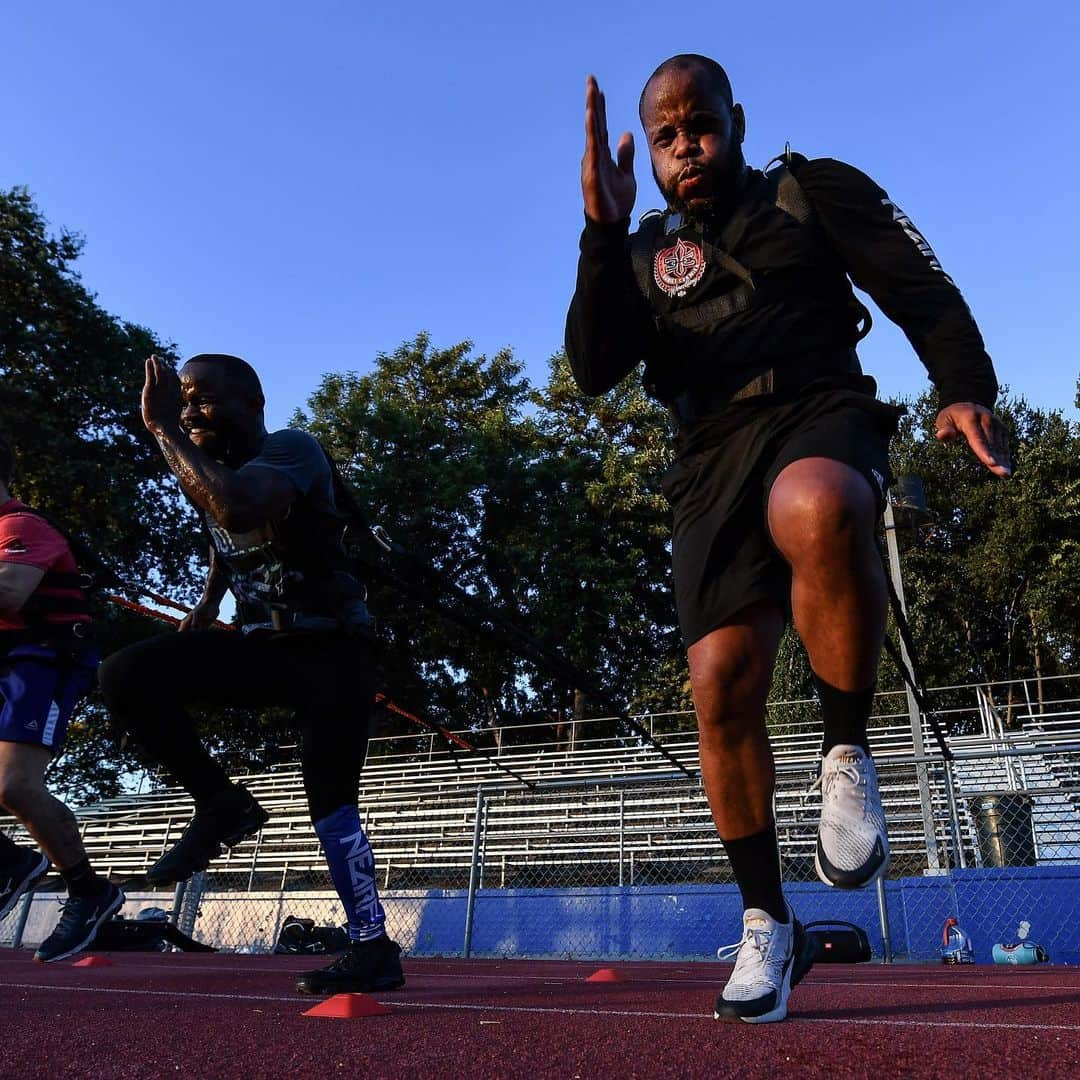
(352, 867)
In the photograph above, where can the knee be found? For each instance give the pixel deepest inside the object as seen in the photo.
(730, 688)
(816, 517)
(17, 791)
(121, 680)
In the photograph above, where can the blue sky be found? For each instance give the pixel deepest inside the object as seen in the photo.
(309, 185)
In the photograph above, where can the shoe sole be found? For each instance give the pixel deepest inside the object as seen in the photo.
(27, 883)
(351, 988)
(775, 1014)
(108, 913)
(862, 883)
(227, 842)
(780, 1012)
(808, 955)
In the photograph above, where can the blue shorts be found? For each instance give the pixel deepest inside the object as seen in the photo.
(39, 690)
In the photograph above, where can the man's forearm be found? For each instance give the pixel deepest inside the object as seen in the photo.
(215, 587)
(17, 585)
(209, 484)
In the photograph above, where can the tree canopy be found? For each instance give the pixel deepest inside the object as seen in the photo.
(537, 499)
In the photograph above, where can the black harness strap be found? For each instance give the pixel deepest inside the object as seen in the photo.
(911, 676)
(788, 195)
(433, 589)
(92, 573)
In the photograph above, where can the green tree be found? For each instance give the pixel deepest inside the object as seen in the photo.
(436, 447)
(603, 566)
(991, 587)
(70, 379)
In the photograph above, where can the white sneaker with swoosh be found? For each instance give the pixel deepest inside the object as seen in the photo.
(852, 843)
(771, 958)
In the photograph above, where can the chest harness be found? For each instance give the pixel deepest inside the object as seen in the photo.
(812, 274)
(90, 576)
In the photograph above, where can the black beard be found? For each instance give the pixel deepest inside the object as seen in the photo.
(713, 210)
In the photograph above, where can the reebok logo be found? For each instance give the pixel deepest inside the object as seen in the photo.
(32, 726)
(915, 236)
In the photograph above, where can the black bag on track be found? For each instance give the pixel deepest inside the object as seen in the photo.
(144, 935)
(301, 937)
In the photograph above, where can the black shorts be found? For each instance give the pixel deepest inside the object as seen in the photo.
(722, 555)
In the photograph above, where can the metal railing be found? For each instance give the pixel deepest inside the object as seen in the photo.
(630, 866)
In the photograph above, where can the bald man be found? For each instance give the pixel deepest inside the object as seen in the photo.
(738, 299)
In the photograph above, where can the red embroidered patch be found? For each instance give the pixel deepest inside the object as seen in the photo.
(679, 268)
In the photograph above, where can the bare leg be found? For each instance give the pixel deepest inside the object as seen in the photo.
(730, 675)
(822, 517)
(24, 794)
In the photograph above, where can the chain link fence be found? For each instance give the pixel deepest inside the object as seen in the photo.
(610, 855)
(632, 867)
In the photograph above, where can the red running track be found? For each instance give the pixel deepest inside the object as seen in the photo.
(152, 1015)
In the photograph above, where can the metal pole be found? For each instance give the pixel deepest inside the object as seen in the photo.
(254, 861)
(954, 815)
(933, 857)
(883, 915)
(474, 873)
(622, 834)
(20, 925)
(178, 902)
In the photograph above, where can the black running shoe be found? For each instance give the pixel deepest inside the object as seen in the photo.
(79, 923)
(222, 823)
(19, 878)
(366, 966)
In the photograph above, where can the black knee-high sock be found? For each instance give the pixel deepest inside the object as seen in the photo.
(755, 861)
(845, 714)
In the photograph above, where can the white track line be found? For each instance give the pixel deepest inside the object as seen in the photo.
(549, 1010)
(285, 972)
(639, 981)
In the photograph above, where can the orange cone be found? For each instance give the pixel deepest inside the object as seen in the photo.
(605, 975)
(93, 961)
(349, 1007)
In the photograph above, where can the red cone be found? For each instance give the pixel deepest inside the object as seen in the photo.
(93, 961)
(605, 975)
(349, 1007)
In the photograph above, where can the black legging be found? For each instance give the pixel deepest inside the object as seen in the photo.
(328, 679)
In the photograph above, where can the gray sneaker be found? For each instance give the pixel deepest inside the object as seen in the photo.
(770, 960)
(852, 843)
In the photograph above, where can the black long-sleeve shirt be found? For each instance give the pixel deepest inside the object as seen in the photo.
(611, 326)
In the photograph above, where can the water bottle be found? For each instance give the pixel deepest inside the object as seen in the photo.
(956, 947)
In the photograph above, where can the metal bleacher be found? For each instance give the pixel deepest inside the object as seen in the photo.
(598, 797)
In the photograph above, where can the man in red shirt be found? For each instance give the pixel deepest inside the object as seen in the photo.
(47, 664)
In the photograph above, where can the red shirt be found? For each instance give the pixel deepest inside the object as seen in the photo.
(29, 541)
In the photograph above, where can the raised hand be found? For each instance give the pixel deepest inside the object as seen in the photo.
(200, 617)
(984, 432)
(608, 186)
(161, 396)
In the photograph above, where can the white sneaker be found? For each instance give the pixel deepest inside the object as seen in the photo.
(770, 959)
(852, 843)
